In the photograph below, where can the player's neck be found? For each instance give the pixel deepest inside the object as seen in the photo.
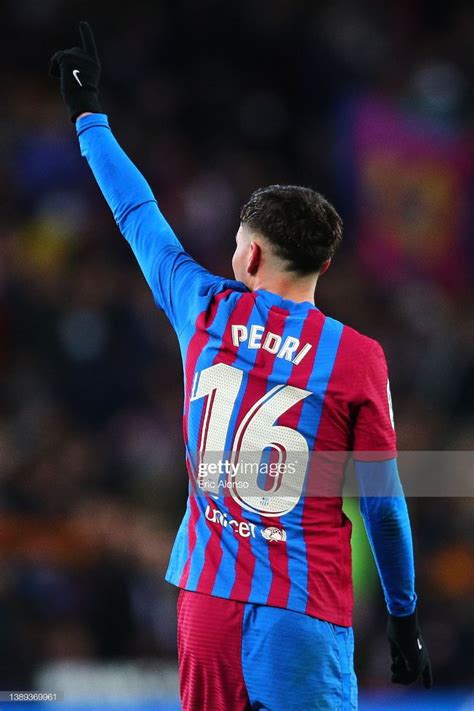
(299, 291)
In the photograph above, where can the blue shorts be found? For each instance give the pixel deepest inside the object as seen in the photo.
(244, 657)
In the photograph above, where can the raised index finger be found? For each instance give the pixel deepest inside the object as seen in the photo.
(87, 37)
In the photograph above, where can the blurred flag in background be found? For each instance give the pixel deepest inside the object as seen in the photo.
(413, 181)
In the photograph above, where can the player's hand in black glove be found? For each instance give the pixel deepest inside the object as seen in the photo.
(409, 655)
(78, 69)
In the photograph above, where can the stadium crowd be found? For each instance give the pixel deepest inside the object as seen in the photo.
(212, 99)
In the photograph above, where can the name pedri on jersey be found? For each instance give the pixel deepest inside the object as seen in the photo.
(276, 395)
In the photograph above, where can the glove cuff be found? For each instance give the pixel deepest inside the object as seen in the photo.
(403, 627)
(86, 101)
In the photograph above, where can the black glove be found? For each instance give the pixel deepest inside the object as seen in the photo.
(79, 72)
(409, 654)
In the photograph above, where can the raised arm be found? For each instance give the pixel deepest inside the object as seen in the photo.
(180, 286)
(128, 195)
(125, 189)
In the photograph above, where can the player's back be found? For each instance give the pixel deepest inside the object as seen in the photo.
(272, 387)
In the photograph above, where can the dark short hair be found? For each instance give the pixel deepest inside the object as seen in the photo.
(301, 225)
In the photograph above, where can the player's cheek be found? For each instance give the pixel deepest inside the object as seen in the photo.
(235, 260)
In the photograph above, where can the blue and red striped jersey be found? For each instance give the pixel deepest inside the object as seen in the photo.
(272, 381)
(276, 395)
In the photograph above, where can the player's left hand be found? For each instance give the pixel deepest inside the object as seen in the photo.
(79, 69)
(410, 660)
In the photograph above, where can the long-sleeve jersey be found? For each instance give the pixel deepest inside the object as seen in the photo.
(276, 395)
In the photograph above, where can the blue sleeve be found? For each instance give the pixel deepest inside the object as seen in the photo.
(384, 510)
(180, 286)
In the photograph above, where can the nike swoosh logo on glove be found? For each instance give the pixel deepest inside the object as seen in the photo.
(75, 73)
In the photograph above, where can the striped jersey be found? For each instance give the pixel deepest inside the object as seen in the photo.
(272, 389)
(276, 395)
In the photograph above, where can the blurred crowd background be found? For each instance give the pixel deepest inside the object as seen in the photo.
(372, 104)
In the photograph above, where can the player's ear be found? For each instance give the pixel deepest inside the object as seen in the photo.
(325, 267)
(255, 255)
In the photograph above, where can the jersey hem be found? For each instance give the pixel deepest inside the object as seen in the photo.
(335, 617)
